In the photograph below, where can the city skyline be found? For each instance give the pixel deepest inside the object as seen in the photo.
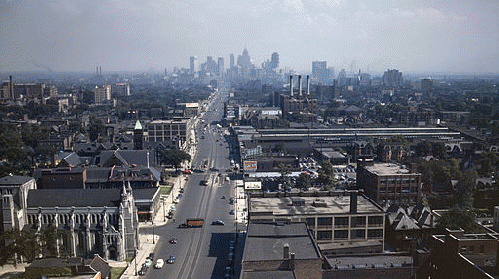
(411, 36)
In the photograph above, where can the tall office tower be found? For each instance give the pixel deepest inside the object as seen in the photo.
(319, 71)
(330, 72)
(232, 60)
(221, 66)
(120, 90)
(342, 74)
(392, 78)
(102, 94)
(194, 64)
(353, 67)
(274, 61)
(244, 60)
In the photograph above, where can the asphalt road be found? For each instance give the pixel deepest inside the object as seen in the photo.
(201, 252)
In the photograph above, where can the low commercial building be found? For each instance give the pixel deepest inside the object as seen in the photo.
(389, 182)
(341, 222)
(280, 251)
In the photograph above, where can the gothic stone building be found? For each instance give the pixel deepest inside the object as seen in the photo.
(90, 221)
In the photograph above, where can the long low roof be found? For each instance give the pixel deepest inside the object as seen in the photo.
(338, 204)
(74, 197)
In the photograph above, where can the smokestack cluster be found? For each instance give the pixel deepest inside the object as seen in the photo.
(308, 85)
(11, 88)
(291, 86)
(98, 70)
(299, 86)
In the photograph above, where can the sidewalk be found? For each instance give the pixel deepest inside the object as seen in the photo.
(149, 241)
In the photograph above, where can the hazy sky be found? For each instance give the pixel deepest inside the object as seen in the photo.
(125, 35)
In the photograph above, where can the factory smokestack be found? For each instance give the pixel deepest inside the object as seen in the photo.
(308, 85)
(291, 86)
(299, 85)
(100, 70)
(11, 88)
(96, 70)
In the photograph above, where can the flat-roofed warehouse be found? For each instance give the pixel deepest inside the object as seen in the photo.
(337, 220)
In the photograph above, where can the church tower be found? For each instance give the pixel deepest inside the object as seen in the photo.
(138, 136)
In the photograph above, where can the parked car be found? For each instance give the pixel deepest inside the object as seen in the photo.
(171, 259)
(218, 223)
(151, 256)
(223, 197)
(148, 262)
(182, 226)
(143, 270)
(232, 212)
(159, 264)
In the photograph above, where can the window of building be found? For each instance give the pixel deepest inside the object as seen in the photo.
(376, 233)
(324, 221)
(341, 222)
(375, 221)
(341, 234)
(359, 234)
(324, 235)
(359, 221)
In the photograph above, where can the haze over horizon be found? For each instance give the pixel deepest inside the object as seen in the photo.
(125, 35)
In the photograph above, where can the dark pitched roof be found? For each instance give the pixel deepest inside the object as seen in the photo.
(130, 157)
(145, 193)
(74, 197)
(274, 274)
(14, 180)
(101, 265)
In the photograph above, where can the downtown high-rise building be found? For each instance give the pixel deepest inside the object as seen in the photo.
(320, 71)
(193, 64)
(232, 61)
(221, 66)
(274, 61)
(392, 78)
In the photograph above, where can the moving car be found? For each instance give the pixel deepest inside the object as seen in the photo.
(173, 240)
(159, 264)
(171, 259)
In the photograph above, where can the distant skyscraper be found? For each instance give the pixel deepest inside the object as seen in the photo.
(194, 64)
(232, 60)
(244, 60)
(319, 71)
(221, 66)
(274, 61)
(392, 78)
(330, 72)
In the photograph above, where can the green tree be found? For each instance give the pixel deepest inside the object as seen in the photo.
(423, 148)
(438, 150)
(174, 157)
(303, 181)
(465, 188)
(96, 129)
(457, 218)
(284, 179)
(326, 176)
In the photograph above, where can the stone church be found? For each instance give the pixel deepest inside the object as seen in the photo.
(88, 221)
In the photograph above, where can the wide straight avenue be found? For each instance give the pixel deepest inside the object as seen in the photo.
(202, 252)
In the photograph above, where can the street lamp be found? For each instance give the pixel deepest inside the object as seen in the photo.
(164, 209)
(153, 232)
(135, 259)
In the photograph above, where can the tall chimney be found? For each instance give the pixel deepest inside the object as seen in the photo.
(308, 85)
(11, 88)
(299, 85)
(353, 202)
(291, 85)
(100, 70)
(96, 70)
(285, 251)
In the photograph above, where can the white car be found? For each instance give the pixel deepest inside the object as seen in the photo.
(159, 264)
